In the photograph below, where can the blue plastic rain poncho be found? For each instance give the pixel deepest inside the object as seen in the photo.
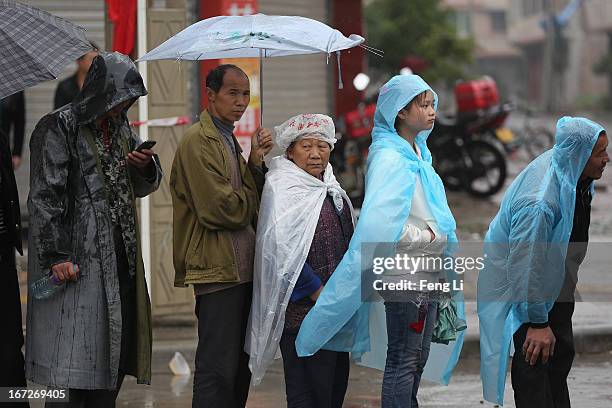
(340, 321)
(525, 248)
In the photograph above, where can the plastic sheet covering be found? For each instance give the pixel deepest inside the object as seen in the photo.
(289, 212)
(340, 319)
(526, 245)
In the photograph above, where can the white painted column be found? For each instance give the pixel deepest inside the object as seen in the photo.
(143, 116)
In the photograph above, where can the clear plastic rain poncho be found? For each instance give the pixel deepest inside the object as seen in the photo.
(525, 248)
(289, 212)
(340, 320)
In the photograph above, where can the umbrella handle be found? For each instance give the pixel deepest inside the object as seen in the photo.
(261, 57)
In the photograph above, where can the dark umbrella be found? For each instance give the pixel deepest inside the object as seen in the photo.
(35, 46)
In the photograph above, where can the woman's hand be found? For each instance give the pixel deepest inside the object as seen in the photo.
(315, 296)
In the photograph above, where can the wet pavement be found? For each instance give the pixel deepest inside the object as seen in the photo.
(590, 384)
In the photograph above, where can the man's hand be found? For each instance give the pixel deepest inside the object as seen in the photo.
(16, 162)
(140, 159)
(536, 341)
(261, 144)
(315, 296)
(65, 271)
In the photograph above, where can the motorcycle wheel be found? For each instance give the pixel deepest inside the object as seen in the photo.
(487, 174)
(538, 140)
(449, 167)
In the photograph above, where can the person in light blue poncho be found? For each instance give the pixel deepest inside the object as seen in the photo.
(526, 289)
(401, 187)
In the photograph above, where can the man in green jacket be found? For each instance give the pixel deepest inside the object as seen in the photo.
(215, 198)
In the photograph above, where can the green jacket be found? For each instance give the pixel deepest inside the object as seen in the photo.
(206, 207)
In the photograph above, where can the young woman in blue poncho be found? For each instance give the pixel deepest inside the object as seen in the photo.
(411, 314)
(405, 205)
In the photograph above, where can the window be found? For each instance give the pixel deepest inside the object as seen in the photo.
(462, 23)
(498, 21)
(530, 7)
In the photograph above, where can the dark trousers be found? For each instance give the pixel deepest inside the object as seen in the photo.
(89, 398)
(545, 385)
(12, 372)
(79, 398)
(317, 381)
(127, 294)
(222, 374)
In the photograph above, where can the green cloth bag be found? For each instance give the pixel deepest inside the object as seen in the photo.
(448, 325)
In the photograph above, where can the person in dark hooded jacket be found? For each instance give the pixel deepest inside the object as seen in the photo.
(84, 179)
(11, 358)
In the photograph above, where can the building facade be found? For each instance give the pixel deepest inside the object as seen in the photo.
(486, 22)
(560, 69)
(553, 69)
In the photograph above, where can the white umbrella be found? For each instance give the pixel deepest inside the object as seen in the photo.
(253, 36)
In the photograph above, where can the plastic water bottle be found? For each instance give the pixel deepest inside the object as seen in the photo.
(47, 286)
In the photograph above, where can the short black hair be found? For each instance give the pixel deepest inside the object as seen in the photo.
(214, 79)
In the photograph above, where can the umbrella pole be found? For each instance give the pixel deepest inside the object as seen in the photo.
(143, 115)
(261, 56)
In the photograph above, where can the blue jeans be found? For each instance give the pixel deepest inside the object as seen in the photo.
(407, 351)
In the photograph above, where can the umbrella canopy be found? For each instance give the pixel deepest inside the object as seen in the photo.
(244, 37)
(35, 46)
(256, 35)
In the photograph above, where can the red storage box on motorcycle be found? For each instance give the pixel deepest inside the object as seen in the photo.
(477, 94)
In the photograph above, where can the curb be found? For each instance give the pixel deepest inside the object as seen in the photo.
(592, 339)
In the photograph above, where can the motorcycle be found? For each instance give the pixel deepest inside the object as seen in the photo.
(463, 154)
(529, 139)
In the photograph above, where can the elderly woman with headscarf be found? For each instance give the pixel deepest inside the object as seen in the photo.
(305, 226)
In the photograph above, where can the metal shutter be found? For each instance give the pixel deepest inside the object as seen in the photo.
(299, 84)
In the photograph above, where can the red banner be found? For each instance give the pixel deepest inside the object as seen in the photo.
(122, 13)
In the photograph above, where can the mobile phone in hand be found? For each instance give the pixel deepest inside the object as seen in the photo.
(146, 145)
